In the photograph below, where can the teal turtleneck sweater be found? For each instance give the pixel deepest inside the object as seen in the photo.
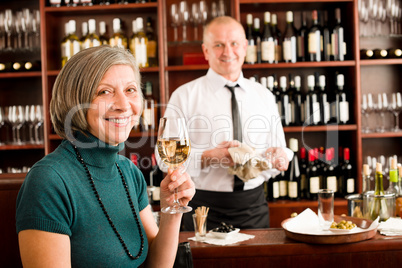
(57, 197)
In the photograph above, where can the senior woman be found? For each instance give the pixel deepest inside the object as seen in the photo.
(84, 205)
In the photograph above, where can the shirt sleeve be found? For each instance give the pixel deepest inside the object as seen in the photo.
(43, 202)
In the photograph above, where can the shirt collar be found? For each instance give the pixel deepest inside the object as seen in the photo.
(218, 82)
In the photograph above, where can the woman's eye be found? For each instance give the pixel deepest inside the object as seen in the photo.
(132, 90)
(103, 92)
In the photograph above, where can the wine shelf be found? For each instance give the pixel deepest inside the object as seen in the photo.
(21, 147)
(20, 74)
(381, 135)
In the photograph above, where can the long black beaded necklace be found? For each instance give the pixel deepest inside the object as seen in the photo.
(130, 201)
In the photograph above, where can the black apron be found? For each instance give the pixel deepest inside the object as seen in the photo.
(244, 209)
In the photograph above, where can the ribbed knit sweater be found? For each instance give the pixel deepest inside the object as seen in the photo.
(57, 197)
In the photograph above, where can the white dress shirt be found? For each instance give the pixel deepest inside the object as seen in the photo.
(205, 103)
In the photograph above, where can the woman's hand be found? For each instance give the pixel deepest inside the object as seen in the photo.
(277, 156)
(176, 179)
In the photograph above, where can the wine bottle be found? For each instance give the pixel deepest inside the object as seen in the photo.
(314, 39)
(267, 41)
(277, 38)
(273, 189)
(302, 39)
(149, 113)
(312, 106)
(347, 180)
(393, 187)
(155, 178)
(323, 100)
(377, 208)
(257, 38)
(152, 48)
(313, 180)
(303, 173)
(92, 39)
(140, 44)
(338, 45)
(283, 186)
(330, 179)
(399, 197)
(326, 41)
(294, 172)
(284, 108)
(394, 53)
(270, 84)
(289, 44)
(71, 44)
(103, 37)
(366, 54)
(380, 53)
(251, 54)
(343, 101)
(84, 33)
(297, 103)
(118, 38)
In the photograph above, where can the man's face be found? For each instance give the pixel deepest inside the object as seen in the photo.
(225, 49)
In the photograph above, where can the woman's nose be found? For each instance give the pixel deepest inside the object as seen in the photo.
(121, 102)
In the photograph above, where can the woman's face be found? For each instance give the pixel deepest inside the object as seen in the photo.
(116, 106)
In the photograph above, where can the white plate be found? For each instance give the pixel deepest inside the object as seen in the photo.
(224, 235)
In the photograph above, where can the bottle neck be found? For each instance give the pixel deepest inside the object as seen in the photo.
(379, 187)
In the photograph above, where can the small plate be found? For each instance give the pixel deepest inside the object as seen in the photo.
(224, 235)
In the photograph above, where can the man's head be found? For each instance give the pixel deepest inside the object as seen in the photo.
(224, 46)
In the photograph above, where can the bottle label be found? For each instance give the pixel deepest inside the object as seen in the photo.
(331, 183)
(313, 46)
(251, 54)
(316, 112)
(314, 184)
(275, 188)
(268, 51)
(283, 188)
(292, 189)
(326, 112)
(350, 185)
(156, 194)
(344, 111)
(289, 49)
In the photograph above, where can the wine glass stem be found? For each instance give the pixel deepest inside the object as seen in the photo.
(175, 33)
(176, 202)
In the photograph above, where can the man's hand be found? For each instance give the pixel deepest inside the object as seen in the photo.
(277, 156)
(219, 155)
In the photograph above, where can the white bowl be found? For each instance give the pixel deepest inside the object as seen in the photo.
(222, 235)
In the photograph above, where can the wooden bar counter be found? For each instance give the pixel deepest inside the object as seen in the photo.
(271, 248)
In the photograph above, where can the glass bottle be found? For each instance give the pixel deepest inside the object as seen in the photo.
(347, 180)
(284, 108)
(149, 114)
(267, 42)
(393, 187)
(257, 38)
(312, 106)
(324, 101)
(84, 33)
(326, 41)
(289, 44)
(92, 39)
(103, 37)
(302, 39)
(399, 197)
(338, 44)
(273, 189)
(303, 173)
(251, 54)
(118, 38)
(71, 44)
(313, 179)
(314, 39)
(294, 187)
(140, 44)
(277, 38)
(152, 47)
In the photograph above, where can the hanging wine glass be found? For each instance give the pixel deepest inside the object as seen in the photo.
(195, 19)
(9, 28)
(396, 107)
(175, 20)
(174, 148)
(221, 8)
(203, 13)
(184, 18)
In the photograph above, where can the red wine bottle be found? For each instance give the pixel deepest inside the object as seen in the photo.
(347, 179)
(273, 189)
(294, 182)
(313, 180)
(314, 39)
(302, 39)
(303, 173)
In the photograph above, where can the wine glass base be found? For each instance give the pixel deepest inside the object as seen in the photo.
(176, 210)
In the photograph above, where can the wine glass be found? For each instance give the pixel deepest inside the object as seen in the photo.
(174, 14)
(174, 148)
(184, 18)
(203, 12)
(381, 109)
(195, 19)
(38, 123)
(396, 107)
(367, 109)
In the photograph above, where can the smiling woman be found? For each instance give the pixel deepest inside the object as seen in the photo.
(84, 205)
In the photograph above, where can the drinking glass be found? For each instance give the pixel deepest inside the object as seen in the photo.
(204, 12)
(38, 112)
(174, 148)
(396, 107)
(184, 18)
(9, 28)
(195, 19)
(367, 109)
(16, 118)
(325, 208)
(381, 109)
(174, 14)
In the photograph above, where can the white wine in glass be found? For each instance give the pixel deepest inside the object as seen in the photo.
(174, 148)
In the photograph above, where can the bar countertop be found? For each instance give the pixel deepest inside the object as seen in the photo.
(271, 248)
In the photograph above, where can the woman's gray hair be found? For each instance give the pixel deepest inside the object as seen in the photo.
(76, 85)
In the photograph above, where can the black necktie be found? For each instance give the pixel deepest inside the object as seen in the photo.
(237, 133)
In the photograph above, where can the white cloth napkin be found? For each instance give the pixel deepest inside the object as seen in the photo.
(391, 227)
(232, 239)
(307, 223)
(248, 163)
